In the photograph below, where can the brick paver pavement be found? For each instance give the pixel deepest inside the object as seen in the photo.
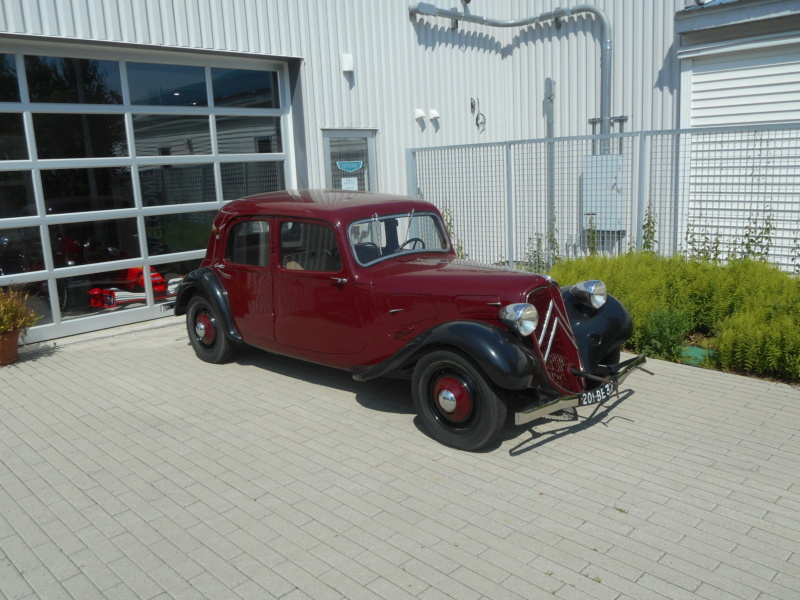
(131, 469)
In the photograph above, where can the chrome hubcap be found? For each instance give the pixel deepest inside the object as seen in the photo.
(447, 401)
(200, 330)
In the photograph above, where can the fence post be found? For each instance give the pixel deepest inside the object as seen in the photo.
(640, 198)
(411, 174)
(511, 214)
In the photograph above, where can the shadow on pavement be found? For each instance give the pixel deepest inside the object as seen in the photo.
(572, 426)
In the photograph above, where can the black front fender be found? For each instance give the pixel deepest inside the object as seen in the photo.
(599, 333)
(508, 362)
(205, 282)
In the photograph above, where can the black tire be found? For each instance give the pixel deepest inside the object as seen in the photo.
(456, 402)
(205, 330)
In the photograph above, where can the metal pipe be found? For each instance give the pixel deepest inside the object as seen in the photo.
(606, 42)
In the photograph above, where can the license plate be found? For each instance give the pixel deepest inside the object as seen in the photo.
(604, 392)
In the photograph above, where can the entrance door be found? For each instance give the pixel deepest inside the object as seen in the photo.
(350, 160)
(247, 276)
(315, 305)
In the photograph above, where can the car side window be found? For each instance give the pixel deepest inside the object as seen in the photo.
(248, 243)
(309, 247)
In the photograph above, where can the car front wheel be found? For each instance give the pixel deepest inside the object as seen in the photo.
(205, 332)
(457, 403)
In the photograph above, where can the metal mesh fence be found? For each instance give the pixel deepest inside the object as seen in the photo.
(713, 193)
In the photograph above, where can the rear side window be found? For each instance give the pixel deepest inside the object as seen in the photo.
(248, 243)
(309, 247)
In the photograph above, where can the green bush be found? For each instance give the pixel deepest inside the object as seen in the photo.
(748, 310)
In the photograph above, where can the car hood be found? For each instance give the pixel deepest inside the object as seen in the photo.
(452, 277)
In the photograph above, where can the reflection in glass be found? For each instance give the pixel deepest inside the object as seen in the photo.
(183, 231)
(73, 80)
(79, 135)
(245, 88)
(110, 291)
(79, 190)
(243, 179)
(12, 137)
(165, 135)
(167, 85)
(244, 135)
(20, 250)
(177, 184)
(94, 242)
(38, 300)
(16, 194)
(9, 87)
(173, 273)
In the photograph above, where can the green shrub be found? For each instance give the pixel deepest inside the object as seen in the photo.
(663, 334)
(749, 310)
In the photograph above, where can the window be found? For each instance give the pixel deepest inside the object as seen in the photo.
(382, 237)
(248, 243)
(309, 247)
(350, 160)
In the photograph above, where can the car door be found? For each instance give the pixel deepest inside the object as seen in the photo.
(315, 302)
(246, 273)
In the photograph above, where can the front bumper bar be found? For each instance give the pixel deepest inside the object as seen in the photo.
(538, 410)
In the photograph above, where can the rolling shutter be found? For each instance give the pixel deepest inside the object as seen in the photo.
(746, 87)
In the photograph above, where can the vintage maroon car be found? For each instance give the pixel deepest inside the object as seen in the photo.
(371, 283)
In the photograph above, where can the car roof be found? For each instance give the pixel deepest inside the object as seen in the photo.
(331, 205)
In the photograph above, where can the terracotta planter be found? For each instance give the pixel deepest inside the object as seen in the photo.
(9, 347)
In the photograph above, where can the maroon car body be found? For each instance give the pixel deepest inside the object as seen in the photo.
(371, 283)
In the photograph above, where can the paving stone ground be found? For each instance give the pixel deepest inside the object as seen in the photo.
(131, 469)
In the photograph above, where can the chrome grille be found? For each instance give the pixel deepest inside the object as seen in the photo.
(554, 338)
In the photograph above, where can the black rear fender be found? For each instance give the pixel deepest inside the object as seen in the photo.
(204, 281)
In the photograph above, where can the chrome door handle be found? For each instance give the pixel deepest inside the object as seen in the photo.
(339, 280)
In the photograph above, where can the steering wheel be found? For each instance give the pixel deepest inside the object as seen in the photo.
(415, 241)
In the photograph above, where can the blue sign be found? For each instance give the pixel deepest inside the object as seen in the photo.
(350, 166)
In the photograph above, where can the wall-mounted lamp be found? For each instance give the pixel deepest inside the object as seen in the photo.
(433, 114)
(347, 63)
(419, 114)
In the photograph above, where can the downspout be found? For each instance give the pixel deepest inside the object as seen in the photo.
(425, 9)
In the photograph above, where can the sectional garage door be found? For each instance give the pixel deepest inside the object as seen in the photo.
(746, 87)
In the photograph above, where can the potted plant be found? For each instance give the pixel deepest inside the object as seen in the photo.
(15, 317)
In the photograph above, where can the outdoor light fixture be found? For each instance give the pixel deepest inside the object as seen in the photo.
(419, 113)
(347, 63)
(433, 114)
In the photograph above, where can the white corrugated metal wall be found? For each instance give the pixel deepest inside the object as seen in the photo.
(401, 64)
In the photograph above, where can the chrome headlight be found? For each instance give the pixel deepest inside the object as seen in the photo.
(522, 318)
(592, 292)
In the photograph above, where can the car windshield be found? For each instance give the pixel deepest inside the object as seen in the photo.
(390, 235)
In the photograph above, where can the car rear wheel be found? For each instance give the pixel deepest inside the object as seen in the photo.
(457, 403)
(205, 332)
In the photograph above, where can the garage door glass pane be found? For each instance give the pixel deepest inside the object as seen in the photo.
(73, 80)
(9, 87)
(243, 179)
(171, 135)
(20, 250)
(16, 194)
(167, 85)
(172, 274)
(182, 232)
(80, 136)
(246, 135)
(245, 88)
(94, 242)
(79, 190)
(12, 137)
(177, 184)
(105, 292)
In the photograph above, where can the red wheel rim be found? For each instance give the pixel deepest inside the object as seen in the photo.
(452, 399)
(204, 328)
